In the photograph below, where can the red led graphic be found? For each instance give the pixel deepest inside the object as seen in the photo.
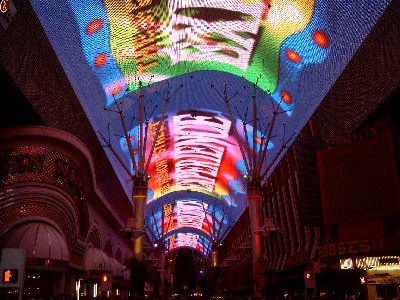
(116, 90)
(100, 60)
(4, 6)
(94, 26)
(321, 39)
(286, 97)
(293, 56)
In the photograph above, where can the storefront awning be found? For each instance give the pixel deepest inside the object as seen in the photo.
(97, 260)
(40, 240)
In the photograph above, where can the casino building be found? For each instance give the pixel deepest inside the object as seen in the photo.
(217, 150)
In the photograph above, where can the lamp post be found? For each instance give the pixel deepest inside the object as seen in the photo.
(255, 154)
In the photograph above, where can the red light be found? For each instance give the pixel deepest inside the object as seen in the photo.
(7, 276)
(116, 90)
(4, 6)
(293, 55)
(10, 276)
(286, 97)
(100, 60)
(320, 38)
(363, 280)
(94, 26)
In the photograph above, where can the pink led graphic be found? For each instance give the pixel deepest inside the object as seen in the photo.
(191, 213)
(185, 240)
(200, 143)
(187, 214)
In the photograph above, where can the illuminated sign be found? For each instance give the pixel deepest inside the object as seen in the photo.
(160, 152)
(190, 214)
(370, 262)
(196, 151)
(4, 6)
(186, 214)
(349, 248)
(10, 276)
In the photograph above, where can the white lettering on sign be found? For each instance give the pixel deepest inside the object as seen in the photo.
(221, 40)
(200, 143)
(190, 213)
(186, 240)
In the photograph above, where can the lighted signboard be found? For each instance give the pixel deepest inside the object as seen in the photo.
(295, 50)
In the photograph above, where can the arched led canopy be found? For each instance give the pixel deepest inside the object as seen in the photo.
(212, 218)
(294, 49)
(195, 151)
(189, 240)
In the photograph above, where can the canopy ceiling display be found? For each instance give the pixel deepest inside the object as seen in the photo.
(283, 52)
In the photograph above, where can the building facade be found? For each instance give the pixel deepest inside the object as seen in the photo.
(52, 208)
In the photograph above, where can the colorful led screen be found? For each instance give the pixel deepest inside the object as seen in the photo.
(280, 51)
(156, 40)
(194, 151)
(189, 240)
(206, 219)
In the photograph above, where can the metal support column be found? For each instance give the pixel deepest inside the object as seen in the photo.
(139, 202)
(254, 193)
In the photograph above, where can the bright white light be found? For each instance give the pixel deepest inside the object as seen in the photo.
(288, 13)
(77, 288)
(346, 263)
(95, 290)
